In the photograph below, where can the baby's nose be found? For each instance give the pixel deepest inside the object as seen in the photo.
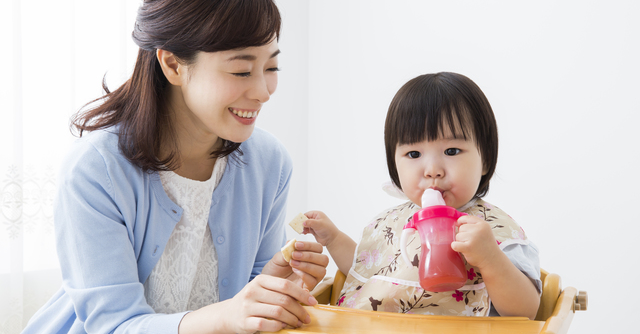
(434, 171)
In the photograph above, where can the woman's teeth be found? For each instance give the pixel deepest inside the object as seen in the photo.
(245, 114)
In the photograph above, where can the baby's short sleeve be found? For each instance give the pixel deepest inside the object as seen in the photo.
(527, 260)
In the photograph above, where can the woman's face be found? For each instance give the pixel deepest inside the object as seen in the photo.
(222, 92)
(452, 166)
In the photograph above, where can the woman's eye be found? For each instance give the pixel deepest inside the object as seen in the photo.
(451, 151)
(414, 154)
(242, 75)
(273, 69)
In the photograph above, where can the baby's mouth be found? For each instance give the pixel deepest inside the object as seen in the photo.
(244, 114)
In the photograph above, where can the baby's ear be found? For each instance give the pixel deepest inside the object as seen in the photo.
(485, 169)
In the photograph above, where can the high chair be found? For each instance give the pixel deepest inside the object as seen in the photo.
(554, 316)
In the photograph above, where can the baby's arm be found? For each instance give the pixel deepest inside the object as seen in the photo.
(340, 246)
(512, 293)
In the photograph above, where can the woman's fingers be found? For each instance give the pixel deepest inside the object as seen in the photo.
(309, 246)
(269, 304)
(259, 324)
(309, 263)
(276, 306)
(309, 281)
(285, 294)
(316, 263)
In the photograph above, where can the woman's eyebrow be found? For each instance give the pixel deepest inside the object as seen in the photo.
(249, 57)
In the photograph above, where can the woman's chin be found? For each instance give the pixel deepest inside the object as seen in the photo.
(240, 136)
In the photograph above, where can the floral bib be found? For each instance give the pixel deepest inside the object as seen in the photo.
(380, 280)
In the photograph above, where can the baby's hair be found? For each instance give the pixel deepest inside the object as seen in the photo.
(427, 104)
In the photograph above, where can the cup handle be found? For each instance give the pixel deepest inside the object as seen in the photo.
(404, 240)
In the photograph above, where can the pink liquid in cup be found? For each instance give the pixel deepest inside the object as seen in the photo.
(441, 269)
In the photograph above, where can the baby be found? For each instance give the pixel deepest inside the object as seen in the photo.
(440, 133)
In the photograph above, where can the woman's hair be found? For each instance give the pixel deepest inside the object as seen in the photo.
(425, 105)
(183, 28)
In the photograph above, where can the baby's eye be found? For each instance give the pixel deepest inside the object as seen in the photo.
(414, 154)
(273, 69)
(243, 74)
(451, 151)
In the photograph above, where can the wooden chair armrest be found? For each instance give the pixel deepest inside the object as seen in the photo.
(551, 289)
(322, 291)
(570, 300)
(328, 291)
(338, 282)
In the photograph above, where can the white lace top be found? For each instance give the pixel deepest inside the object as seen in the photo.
(186, 275)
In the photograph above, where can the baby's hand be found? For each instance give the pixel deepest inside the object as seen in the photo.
(475, 241)
(321, 227)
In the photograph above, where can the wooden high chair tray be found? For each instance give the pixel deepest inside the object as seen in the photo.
(333, 319)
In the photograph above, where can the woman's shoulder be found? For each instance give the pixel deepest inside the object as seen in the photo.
(98, 152)
(104, 140)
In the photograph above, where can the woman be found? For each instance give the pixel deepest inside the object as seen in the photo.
(172, 201)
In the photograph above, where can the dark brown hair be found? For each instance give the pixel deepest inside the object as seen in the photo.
(184, 28)
(422, 108)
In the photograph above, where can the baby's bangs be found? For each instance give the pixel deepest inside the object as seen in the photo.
(453, 121)
(440, 117)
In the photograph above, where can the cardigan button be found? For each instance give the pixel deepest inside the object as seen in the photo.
(225, 282)
(155, 250)
(220, 239)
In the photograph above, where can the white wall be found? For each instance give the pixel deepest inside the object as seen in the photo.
(562, 77)
(286, 115)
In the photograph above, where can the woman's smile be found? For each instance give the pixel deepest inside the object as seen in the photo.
(244, 116)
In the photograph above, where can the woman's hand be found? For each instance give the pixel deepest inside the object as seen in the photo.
(266, 303)
(307, 267)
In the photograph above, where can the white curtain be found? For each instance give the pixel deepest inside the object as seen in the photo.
(55, 54)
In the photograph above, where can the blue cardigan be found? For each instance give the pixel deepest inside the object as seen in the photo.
(113, 220)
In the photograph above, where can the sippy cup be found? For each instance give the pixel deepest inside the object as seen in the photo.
(441, 268)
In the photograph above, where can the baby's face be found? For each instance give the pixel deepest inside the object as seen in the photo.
(451, 166)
